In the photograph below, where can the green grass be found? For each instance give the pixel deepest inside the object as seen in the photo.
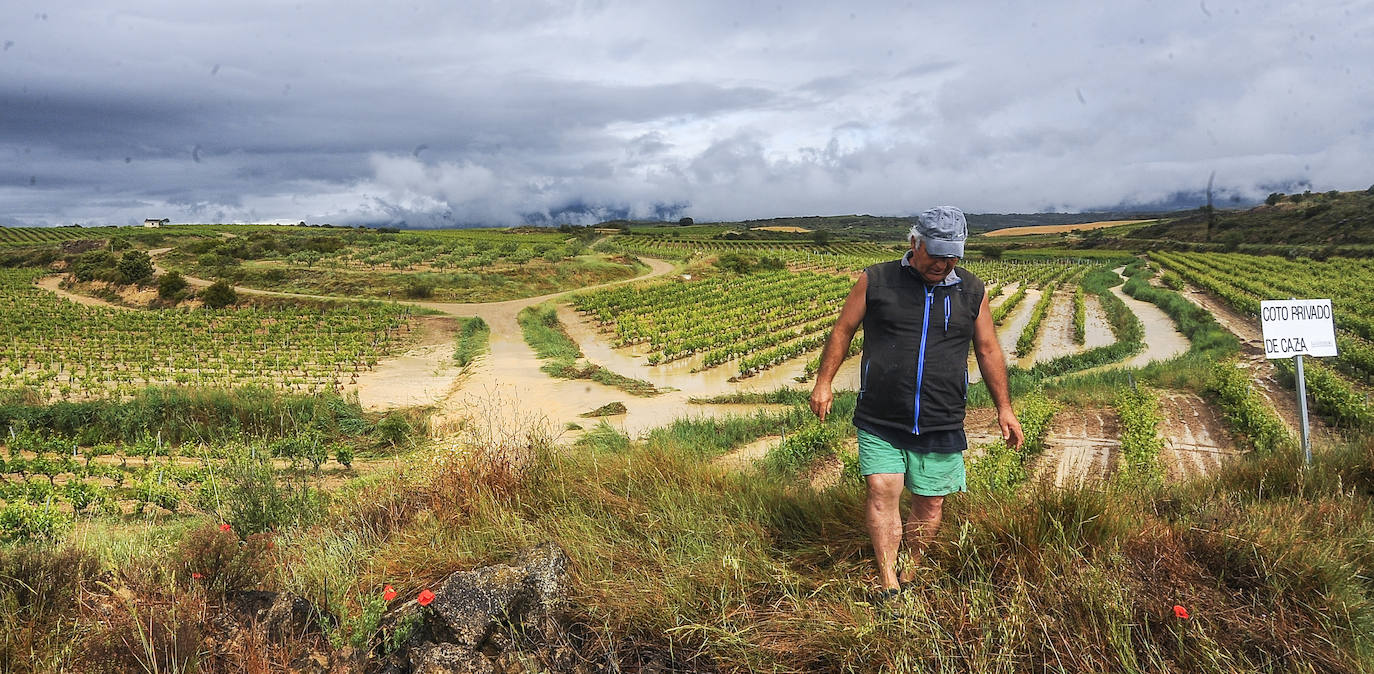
(544, 333)
(753, 573)
(473, 339)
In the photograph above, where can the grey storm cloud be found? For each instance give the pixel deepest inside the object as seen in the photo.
(504, 113)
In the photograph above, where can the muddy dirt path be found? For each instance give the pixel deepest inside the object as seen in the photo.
(1096, 331)
(1056, 331)
(1082, 448)
(1261, 370)
(678, 375)
(421, 375)
(1162, 339)
(50, 284)
(1196, 441)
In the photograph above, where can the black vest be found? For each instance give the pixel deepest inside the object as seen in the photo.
(914, 373)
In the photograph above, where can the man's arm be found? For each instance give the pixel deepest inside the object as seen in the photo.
(993, 364)
(851, 316)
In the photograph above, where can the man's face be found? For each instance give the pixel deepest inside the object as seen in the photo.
(932, 269)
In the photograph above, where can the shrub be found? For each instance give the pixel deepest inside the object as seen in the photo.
(393, 429)
(171, 286)
(344, 455)
(253, 498)
(135, 266)
(219, 295)
(418, 289)
(214, 557)
(22, 523)
(90, 264)
(809, 443)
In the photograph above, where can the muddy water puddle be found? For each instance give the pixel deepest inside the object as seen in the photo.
(422, 375)
(1009, 331)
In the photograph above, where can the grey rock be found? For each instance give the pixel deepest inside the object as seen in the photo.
(530, 595)
(449, 659)
(291, 617)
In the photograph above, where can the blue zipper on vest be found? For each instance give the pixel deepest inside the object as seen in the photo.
(946, 314)
(921, 363)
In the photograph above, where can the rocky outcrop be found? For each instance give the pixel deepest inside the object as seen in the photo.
(499, 619)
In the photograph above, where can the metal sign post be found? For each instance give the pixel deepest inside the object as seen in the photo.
(1292, 329)
(1302, 412)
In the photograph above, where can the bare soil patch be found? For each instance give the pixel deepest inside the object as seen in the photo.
(744, 457)
(1056, 331)
(1055, 229)
(422, 375)
(781, 228)
(1082, 448)
(1196, 441)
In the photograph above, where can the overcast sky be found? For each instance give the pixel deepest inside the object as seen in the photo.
(508, 112)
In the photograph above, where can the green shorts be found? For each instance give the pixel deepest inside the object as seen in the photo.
(927, 474)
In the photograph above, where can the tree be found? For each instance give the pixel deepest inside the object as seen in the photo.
(135, 266)
(219, 295)
(170, 286)
(1274, 198)
(686, 221)
(820, 237)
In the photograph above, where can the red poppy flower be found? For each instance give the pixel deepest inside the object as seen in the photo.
(1180, 612)
(388, 593)
(196, 576)
(425, 597)
(225, 527)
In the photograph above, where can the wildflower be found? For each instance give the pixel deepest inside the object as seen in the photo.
(195, 575)
(425, 597)
(225, 527)
(1180, 612)
(388, 593)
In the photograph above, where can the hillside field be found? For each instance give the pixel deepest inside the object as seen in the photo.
(274, 448)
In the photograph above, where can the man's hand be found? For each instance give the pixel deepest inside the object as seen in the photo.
(1006, 419)
(821, 397)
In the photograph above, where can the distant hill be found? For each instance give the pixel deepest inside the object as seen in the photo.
(862, 227)
(1311, 219)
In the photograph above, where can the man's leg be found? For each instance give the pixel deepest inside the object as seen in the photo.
(883, 513)
(920, 529)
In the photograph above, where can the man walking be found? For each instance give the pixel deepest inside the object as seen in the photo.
(919, 315)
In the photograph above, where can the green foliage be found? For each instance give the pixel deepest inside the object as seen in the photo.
(180, 415)
(803, 447)
(1246, 410)
(94, 264)
(419, 289)
(219, 295)
(609, 409)
(171, 286)
(1332, 396)
(253, 497)
(216, 559)
(1002, 468)
(344, 455)
(393, 430)
(545, 334)
(1080, 315)
(1138, 410)
(24, 523)
(135, 266)
(473, 338)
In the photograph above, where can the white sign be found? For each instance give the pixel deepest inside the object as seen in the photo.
(1297, 328)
